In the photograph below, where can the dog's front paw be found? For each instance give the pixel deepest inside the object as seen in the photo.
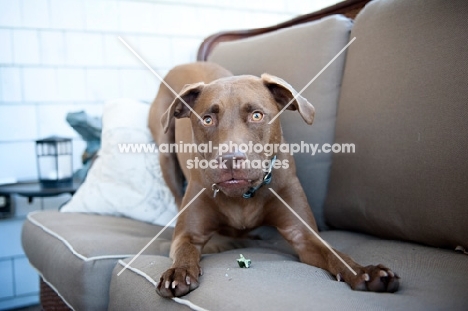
(176, 282)
(374, 279)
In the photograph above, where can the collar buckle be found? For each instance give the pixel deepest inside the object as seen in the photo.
(266, 181)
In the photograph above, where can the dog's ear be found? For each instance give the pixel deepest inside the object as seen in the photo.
(180, 106)
(284, 93)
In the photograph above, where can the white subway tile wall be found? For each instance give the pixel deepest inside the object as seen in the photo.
(52, 47)
(26, 47)
(35, 13)
(6, 267)
(21, 122)
(10, 84)
(10, 14)
(6, 48)
(60, 56)
(18, 156)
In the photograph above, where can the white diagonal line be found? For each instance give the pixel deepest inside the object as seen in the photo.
(312, 230)
(159, 77)
(313, 79)
(160, 232)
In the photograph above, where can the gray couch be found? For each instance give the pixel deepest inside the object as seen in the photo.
(400, 94)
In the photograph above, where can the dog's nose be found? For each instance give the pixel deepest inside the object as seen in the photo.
(234, 160)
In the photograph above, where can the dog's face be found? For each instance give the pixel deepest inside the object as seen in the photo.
(234, 118)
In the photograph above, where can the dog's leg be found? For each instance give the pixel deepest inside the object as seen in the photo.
(193, 230)
(313, 251)
(183, 275)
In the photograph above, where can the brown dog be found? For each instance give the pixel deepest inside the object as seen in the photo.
(235, 110)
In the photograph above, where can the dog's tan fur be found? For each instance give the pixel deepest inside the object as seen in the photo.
(230, 101)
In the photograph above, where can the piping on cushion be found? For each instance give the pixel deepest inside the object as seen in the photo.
(68, 245)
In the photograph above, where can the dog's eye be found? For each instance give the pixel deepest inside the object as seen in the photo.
(257, 116)
(208, 121)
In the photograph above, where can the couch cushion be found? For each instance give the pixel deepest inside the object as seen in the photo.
(432, 279)
(75, 253)
(298, 54)
(404, 106)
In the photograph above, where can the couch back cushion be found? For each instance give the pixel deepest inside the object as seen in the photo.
(296, 55)
(404, 105)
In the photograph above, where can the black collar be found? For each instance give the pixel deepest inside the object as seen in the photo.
(266, 181)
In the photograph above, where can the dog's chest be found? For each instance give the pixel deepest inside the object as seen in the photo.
(242, 216)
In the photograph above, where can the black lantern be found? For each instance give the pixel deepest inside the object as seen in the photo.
(55, 161)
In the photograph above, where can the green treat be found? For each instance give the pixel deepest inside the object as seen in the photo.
(243, 262)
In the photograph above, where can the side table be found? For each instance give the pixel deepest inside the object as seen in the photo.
(30, 189)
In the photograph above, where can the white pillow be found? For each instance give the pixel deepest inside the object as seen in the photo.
(125, 184)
